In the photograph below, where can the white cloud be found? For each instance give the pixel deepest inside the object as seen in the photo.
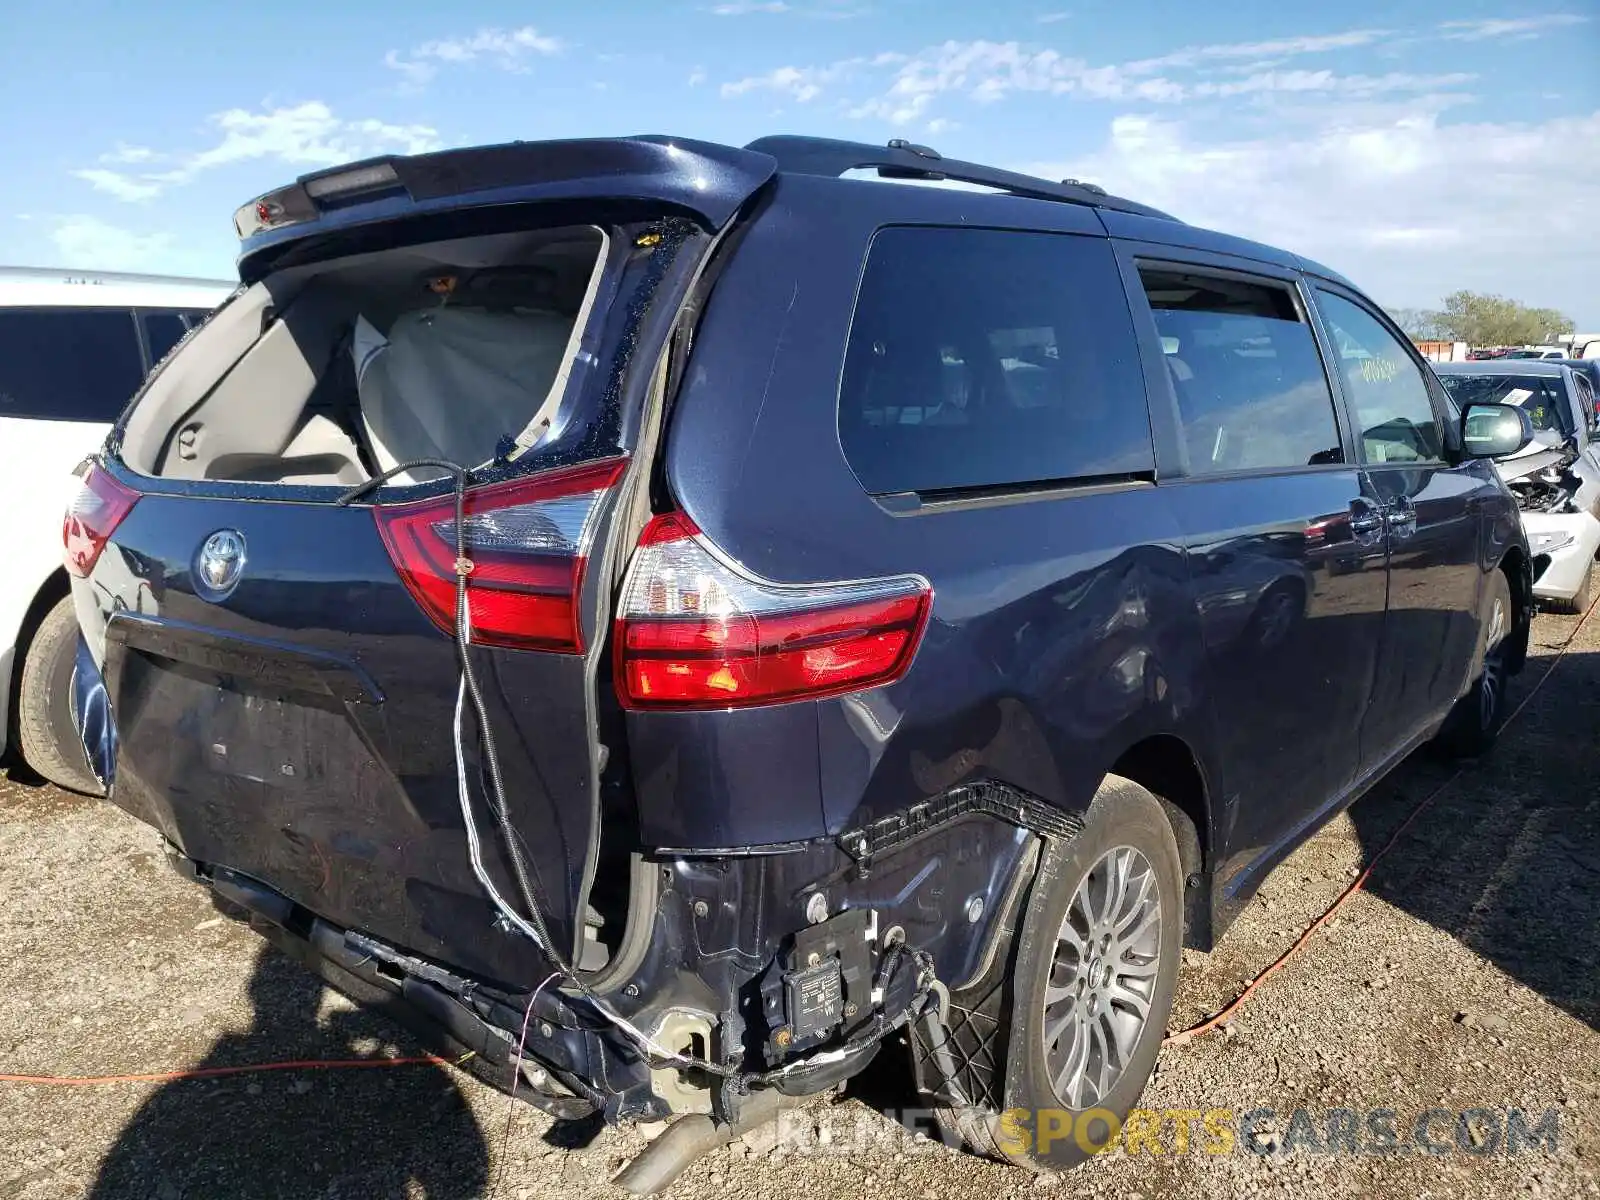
(697, 77)
(1507, 27)
(743, 8)
(985, 72)
(1328, 81)
(83, 241)
(805, 84)
(1391, 202)
(123, 187)
(507, 49)
(125, 153)
(305, 135)
(1191, 56)
(1052, 18)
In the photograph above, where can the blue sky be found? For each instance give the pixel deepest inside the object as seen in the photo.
(1418, 147)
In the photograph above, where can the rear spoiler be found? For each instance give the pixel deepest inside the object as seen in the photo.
(708, 181)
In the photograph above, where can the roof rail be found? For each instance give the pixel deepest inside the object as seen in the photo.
(901, 159)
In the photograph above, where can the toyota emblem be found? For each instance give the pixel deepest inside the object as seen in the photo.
(219, 563)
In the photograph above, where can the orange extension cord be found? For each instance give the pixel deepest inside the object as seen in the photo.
(307, 1064)
(1234, 1005)
(1176, 1039)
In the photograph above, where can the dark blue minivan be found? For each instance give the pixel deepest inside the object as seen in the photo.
(666, 617)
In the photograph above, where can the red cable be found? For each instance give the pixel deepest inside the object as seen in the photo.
(1233, 1006)
(1176, 1039)
(309, 1064)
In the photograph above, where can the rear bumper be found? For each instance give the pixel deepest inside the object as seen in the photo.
(723, 965)
(459, 1019)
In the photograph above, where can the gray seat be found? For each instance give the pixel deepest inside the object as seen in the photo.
(453, 382)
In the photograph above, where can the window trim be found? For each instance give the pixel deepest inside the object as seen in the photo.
(1430, 386)
(1162, 258)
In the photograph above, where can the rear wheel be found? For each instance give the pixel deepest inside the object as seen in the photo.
(1475, 722)
(46, 731)
(1095, 970)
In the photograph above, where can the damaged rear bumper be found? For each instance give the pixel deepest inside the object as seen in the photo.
(767, 972)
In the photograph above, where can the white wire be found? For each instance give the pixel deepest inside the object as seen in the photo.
(640, 1039)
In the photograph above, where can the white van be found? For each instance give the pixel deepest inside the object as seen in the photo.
(74, 347)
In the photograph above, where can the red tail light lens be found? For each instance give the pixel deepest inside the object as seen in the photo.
(92, 517)
(528, 542)
(697, 631)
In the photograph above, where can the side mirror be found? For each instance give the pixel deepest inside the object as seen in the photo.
(1494, 430)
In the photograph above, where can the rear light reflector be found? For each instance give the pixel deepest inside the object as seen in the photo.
(528, 543)
(696, 631)
(92, 517)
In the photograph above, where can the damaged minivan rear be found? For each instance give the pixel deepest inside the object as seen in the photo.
(355, 573)
(673, 620)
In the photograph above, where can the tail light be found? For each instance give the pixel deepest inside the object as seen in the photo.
(92, 517)
(528, 543)
(696, 631)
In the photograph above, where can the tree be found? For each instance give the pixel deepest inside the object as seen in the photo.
(1481, 320)
(1419, 324)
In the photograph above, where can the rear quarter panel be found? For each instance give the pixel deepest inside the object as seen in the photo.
(1062, 627)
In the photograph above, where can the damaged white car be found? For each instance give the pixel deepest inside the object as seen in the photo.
(1556, 477)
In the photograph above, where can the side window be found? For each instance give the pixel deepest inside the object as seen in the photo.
(1384, 385)
(68, 364)
(163, 329)
(980, 358)
(1250, 386)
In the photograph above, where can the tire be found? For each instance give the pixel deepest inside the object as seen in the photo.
(1128, 835)
(1475, 722)
(46, 732)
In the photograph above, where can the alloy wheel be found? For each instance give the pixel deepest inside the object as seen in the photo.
(1102, 977)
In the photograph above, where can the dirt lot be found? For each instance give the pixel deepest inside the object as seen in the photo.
(1466, 976)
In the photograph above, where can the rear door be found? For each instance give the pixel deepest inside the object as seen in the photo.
(284, 679)
(1282, 530)
(1431, 519)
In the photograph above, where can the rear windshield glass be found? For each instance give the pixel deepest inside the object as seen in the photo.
(982, 358)
(1539, 396)
(333, 373)
(68, 364)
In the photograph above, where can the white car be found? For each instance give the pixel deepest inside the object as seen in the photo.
(1556, 477)
(74, 347)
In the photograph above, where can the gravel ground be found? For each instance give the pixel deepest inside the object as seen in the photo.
(1466, 976)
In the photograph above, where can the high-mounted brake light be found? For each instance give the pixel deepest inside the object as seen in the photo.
(357, 179)
(695, 631)
(528, 545)
(94, 514)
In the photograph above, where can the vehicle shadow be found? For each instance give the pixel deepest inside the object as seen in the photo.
(1507, 858)
(356, 1133)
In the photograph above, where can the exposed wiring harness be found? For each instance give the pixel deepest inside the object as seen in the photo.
(533, 925)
